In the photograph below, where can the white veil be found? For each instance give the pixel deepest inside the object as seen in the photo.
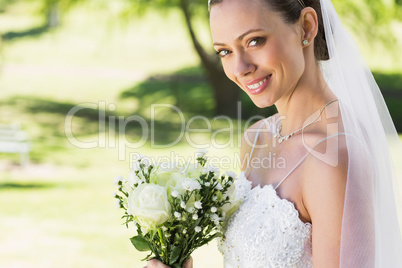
(370, 229)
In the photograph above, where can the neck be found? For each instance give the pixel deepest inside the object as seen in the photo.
(308, 97)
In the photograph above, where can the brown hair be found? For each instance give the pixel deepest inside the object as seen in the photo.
(290, 11)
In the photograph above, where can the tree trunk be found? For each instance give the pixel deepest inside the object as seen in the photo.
(226, 93)
(53, 16)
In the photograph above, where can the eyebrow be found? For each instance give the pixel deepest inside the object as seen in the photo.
(241, 37)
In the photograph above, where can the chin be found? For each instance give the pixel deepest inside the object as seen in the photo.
(262, 103)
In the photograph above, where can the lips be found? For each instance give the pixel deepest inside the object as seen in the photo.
(257, 86)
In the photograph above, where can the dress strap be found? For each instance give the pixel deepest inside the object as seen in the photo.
(305, 156)
(255, 141)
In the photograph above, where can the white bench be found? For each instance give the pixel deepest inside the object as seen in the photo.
(14, 140)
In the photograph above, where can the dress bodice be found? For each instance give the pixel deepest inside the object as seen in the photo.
(265, 231)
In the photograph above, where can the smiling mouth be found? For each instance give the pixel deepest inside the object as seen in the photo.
(257, 85)
(260, 86)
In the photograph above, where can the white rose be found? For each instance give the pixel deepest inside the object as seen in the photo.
(175, 183)
(149, 205)
(193, 171)
(164, 172)
(231, 207)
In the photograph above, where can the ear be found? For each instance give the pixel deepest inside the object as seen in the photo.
(309, 24)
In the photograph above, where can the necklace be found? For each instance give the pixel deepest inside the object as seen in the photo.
(279, 128)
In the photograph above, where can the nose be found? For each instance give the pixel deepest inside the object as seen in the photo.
(244, 65)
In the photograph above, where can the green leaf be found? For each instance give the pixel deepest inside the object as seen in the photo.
(174, 254)
(140, 243)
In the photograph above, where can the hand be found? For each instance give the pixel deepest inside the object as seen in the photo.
(157, 264)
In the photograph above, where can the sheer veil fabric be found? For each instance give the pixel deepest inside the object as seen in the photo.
(370, 234)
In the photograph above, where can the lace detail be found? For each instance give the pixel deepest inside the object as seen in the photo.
(266, 231)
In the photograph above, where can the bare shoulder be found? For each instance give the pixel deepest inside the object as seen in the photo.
(324, 183)
(325, 171)
(249, 136)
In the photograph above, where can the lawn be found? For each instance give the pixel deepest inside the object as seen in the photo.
(59, 211)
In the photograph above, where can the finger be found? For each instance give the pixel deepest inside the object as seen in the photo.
(188, 263)
(155, 264)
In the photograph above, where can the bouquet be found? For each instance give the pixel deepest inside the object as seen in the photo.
(175, 208)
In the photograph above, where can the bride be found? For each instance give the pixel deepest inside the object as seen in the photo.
(332, 201)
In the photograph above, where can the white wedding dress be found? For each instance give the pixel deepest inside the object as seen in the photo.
(266, 230)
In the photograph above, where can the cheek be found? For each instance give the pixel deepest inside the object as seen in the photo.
(228, 68)
(288, 61)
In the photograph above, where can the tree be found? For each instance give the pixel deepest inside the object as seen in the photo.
(226, 93)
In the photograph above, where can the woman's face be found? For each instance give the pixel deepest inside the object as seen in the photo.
(260, 52)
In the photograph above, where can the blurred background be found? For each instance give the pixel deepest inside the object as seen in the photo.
(79, 80)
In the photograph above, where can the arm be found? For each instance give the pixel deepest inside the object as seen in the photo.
(323, 197)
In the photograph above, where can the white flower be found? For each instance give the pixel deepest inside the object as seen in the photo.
(135, 166)
(118, 203)
(197, 229)
(195, 217)
(183, 205)
(191, 184)
(198, 204)
(218, 187)
(142, 159)
(201, 152)
(193, 170)
(207, 184)
(175, 194)
(231, 174)
(126, 186)
(190, 209)
(164, 228)
(214, 198)
(184, 231)
(175, 182)
(149, 205)
(133, 179)
(234, 200)
(177, 214)
(138, 157)
(167, 235)
(117, 180)
(214, 209)
(211, 168)
(166, 173)
(215, 218)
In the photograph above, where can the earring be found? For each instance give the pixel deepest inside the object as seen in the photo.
(305, 42)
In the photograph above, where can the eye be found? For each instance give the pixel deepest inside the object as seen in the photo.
(223, 53)
(256, 41)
